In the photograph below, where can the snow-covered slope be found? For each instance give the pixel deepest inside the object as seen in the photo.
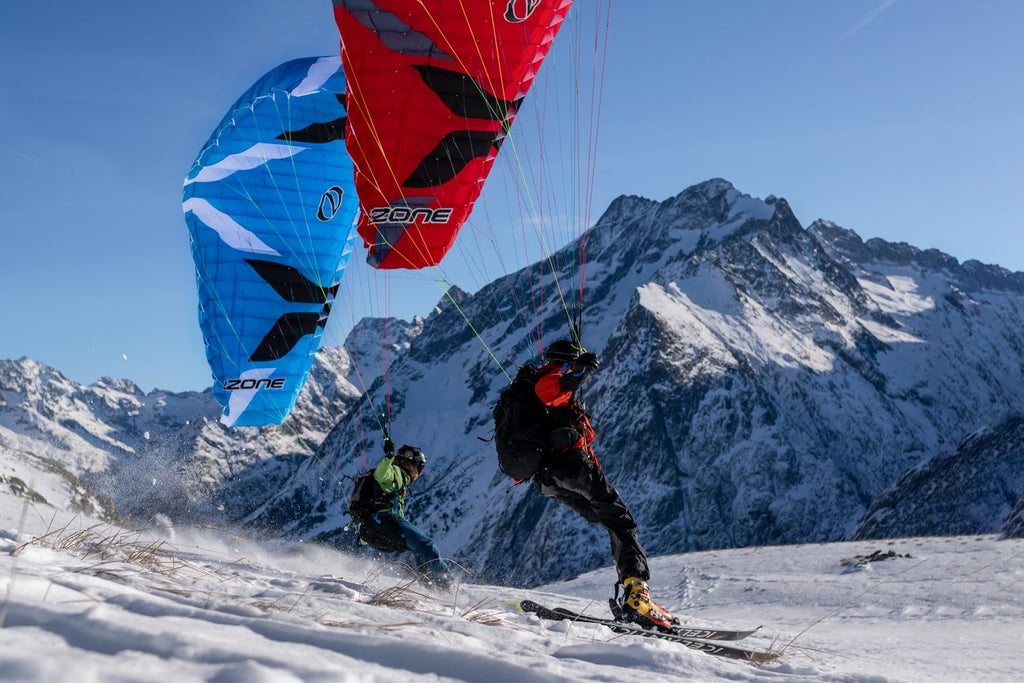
(87, 601)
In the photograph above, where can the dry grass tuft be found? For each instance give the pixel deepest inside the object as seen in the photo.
(402, 596)
(481, 613)
(109, 547)
(334, 623)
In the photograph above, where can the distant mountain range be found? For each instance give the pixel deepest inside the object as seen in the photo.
(761, 383)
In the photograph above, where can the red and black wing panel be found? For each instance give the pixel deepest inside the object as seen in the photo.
(433, 86)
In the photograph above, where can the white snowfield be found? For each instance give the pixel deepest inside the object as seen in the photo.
(85, 601)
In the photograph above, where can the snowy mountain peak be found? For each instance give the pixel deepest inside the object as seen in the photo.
(714, 206)
(875, 253)
(715, 192)
(453, 296)
(124, 386)
(20, 374)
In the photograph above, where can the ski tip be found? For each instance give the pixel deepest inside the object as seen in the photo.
(523, 605)
(529, 606)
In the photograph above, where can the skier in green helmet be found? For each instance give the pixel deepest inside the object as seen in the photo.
(378, 508)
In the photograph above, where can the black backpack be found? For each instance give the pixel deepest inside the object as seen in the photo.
(520, 426)
(367, 497)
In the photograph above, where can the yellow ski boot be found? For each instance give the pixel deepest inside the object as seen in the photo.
(637, 606)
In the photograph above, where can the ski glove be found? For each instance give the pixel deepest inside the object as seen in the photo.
(587, 361)
(389, 447)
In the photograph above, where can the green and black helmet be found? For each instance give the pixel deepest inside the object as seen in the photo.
(413, 456)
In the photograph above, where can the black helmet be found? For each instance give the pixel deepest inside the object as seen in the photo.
(412, 455)
(562, 351)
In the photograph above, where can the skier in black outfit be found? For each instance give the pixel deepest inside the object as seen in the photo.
(567, 470)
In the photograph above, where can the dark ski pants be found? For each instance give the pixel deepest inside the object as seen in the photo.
(574, 479)
(389, 533)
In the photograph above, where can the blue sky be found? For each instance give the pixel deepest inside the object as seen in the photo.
(899, 119)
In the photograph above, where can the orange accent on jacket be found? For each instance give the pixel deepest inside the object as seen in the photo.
(553, 391)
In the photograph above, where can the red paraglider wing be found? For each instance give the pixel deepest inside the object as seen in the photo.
(433, 86)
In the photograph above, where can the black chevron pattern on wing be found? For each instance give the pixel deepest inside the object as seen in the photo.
(317, 133)
(451, 156)
(464, 96)
(290, 284)
(284, 335)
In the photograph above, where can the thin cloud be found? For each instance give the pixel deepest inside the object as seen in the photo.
(874, 14)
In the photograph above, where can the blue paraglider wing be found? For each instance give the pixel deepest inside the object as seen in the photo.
(270, 206)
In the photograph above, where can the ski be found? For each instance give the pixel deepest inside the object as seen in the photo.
(559, 614)
(684, 631)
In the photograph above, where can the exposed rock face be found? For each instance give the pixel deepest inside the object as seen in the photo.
(972, 490)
